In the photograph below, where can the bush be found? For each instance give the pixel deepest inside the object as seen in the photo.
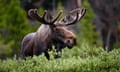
(78, 59)
(14, 26)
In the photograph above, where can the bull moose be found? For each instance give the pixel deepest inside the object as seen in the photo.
(51, 32)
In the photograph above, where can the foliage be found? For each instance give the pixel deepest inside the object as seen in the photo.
(78, 59)
(13, 26)
(87, 28)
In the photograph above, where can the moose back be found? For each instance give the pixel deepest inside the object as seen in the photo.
(51, 32)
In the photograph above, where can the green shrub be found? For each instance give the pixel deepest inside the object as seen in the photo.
(14, 26)
(78, 59)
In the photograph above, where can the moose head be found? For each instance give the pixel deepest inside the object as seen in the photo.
(51, 32)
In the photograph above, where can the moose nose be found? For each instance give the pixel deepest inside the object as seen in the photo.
(72, 42)
(69, 43)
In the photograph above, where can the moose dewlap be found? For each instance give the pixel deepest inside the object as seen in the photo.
(51, 32)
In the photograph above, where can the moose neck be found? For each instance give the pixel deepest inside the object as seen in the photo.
(43, 32)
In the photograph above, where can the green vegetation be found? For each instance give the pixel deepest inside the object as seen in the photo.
(13, 27)
(78, 59)
(86, 57)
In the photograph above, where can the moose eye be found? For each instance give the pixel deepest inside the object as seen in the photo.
(57, 30)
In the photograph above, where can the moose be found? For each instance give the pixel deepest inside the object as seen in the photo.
(50, 33)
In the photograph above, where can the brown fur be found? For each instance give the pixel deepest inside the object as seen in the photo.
(45, 37)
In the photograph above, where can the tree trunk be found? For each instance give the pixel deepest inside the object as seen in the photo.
(107, 16)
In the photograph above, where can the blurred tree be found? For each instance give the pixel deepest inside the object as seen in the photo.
(107, 16)
(13, 26)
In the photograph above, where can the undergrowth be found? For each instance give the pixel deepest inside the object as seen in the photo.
(78, 59)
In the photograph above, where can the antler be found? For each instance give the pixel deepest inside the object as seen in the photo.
(34, 14)
(73, 17)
